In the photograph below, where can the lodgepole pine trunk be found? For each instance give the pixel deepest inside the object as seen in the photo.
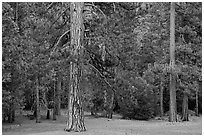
(172, 104)
(185, 107)
(161, 98)
(37, 101)
(75, 120)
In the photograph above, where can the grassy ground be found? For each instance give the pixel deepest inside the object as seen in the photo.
(103, 126)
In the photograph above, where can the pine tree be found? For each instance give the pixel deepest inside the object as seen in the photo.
(75, 120)
(172, 105)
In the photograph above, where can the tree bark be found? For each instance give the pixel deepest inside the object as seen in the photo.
(161, 98)
(75, 120)
(185, 107)
(37, 101)
(172, 104)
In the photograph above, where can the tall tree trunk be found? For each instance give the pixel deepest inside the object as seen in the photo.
(58, 95)
(172, 104)
(105, 103)
(196, 108)
(54, 100)
(46, 104)
(185, 107)
(111, 106)
(161, 98)
(37, 101)
(75, 120)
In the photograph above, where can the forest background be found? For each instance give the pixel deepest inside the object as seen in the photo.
(125, 63)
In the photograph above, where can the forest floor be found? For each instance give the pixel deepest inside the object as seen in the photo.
(103, 126)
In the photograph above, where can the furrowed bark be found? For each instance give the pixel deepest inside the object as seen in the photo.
(75, 111)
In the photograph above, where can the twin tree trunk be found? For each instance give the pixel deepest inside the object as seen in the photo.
(75, 120)
(172, 104)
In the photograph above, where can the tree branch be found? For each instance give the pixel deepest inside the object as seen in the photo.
(58, 18)
(61, 41)
(87, 4)
(104, 78)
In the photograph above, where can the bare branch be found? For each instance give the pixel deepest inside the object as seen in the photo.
(104, 78)
(58, 18)
(87, 4)
(60, 42)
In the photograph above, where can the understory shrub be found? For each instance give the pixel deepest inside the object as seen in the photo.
(135, 101)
